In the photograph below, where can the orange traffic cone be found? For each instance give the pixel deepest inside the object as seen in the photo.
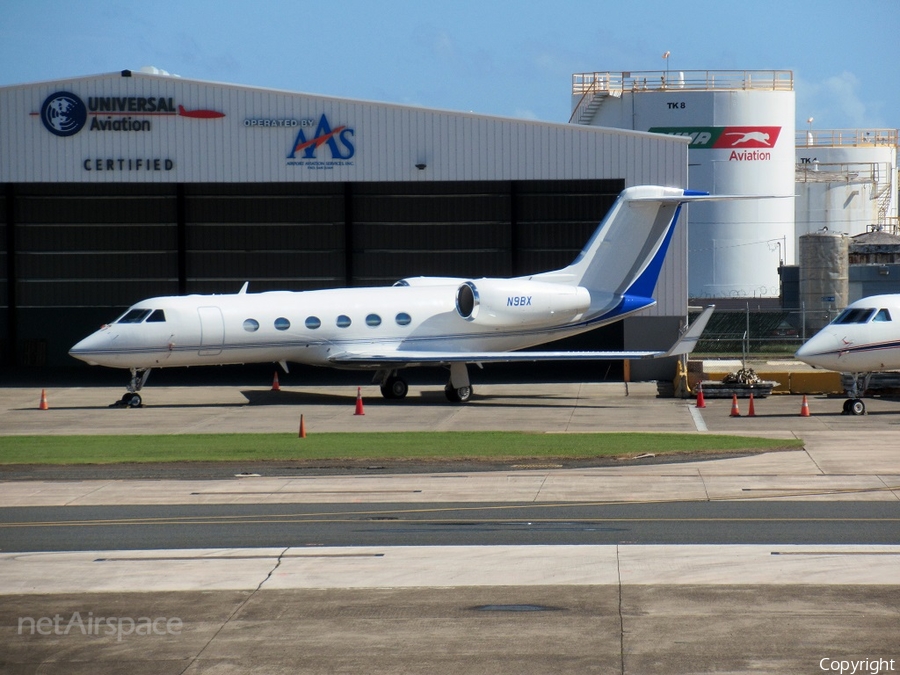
(43, 405)
(804, 407)
(751, 412)
(302, 428)
(701, 402)
(275, 385)
(359, 403)
(734, 406)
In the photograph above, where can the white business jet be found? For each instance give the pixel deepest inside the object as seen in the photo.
(418, 321)
(863, 339)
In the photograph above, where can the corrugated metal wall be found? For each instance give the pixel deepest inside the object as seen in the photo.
(92, 245)
(278, 237)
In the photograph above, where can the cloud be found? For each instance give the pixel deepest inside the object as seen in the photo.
(836, 103)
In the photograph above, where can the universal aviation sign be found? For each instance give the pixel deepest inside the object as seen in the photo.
(65, 114)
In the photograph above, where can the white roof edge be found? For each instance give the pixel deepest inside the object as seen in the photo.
(581, 128)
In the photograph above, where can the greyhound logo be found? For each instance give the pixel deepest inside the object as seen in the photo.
(725, 138)
(760, 137)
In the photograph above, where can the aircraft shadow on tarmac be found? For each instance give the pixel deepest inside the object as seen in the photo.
(297, 398)
(425, 398)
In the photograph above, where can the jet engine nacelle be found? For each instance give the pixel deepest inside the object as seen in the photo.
(517, 302)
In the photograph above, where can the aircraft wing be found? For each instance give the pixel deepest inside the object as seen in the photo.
(402, 358)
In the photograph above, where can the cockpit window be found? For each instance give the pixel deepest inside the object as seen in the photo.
(855, 315)
(883, 315)
(134, 316)
(158, 316)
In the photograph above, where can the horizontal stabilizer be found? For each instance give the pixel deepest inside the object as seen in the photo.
(689, 197)
(689, 339)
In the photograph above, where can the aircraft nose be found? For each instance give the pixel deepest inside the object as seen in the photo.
(817, 351)
(91, 348)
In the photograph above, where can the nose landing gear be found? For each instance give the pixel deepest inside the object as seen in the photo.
(855, 405)
(132, 399)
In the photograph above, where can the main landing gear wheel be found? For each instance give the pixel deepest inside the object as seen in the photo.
(854, 406)
(461, 395)
(129, 400)
(394, 388)
(132, 400)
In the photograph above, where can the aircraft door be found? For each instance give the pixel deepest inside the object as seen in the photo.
(212, 331)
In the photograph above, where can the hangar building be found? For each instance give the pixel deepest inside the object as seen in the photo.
(128, 185)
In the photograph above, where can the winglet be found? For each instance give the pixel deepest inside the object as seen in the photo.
(244, 288)
(688, 340)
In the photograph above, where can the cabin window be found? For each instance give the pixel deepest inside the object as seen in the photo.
(251, 325)
(883, 315)
(855, 315)
(373, 320)
(404, 319)
(343, 321)
(313, 322)
(134, 316)
(158, 316)
(282, 324)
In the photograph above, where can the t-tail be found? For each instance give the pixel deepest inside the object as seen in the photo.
(621, 262)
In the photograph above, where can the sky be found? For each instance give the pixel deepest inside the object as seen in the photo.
(493, 57)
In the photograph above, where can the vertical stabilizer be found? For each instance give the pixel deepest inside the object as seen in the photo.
(626, 252)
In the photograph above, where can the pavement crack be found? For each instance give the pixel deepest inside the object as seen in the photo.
(540, 488)
(71, 502)
(892, 489)
(813, 460)
(621, 615)
(574, 407)
(271, 572)
(703, 483)
(235, 612)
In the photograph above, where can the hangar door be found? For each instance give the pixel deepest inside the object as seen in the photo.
(77, 255)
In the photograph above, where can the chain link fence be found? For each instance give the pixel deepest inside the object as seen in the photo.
(759, 332)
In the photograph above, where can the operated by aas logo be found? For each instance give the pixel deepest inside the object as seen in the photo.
(338, 141)
(63, 113)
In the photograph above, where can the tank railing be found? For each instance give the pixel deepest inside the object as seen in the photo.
(689, 80)
(843, 172)
(891, 225)
(832, 138)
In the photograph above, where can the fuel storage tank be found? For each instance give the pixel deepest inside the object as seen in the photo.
(741, 127)
(846, 180)
(824, 277)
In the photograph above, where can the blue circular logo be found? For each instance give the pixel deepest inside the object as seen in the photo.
(63, 113)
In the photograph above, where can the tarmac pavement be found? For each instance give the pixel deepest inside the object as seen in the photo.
(608, 609)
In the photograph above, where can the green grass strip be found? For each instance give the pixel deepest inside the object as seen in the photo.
(369, 446)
